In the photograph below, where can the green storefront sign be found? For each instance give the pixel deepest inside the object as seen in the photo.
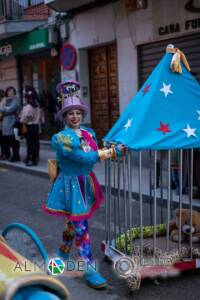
(26, 43)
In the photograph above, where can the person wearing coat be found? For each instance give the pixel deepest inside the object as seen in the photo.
(2, 103)
(30, 118)
(10, 113)
(76, 193)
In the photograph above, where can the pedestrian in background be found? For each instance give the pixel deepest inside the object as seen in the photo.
(41, 124)
(30, 119)
(2, 103)
(10, 113)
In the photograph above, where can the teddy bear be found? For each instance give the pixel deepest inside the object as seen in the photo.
(185, 226)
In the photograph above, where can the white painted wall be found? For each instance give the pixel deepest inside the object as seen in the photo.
(113, 22)
(83, 77)
(127, 62)
(172, 11)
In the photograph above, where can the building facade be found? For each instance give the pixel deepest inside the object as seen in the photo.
(119, 43)
(17, 20)
(26, 56)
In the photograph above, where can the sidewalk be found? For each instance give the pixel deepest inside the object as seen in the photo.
(41, 169)
(46, 153)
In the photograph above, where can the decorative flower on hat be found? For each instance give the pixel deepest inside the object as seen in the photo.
(70, 98)
(67, 89)
(70, 89)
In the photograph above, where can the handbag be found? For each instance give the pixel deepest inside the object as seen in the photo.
(24, 129)
(1, 116)
(52, 169)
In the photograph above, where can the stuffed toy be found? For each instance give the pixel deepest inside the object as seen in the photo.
(185, 226)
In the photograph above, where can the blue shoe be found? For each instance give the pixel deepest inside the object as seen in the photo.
(63, 255)
(95, 280)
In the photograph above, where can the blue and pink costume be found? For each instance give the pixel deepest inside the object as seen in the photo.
(76, 192)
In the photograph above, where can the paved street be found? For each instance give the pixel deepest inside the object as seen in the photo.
(21, 196)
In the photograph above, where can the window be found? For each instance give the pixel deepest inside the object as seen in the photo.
(34, 2)
(27, 3)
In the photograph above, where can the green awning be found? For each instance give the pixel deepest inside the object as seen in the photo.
(26, 43)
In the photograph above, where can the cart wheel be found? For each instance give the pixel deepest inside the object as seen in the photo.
(25, 241)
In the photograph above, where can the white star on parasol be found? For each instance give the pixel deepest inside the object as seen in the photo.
(128, 124)
(190, 131)
(166, 89)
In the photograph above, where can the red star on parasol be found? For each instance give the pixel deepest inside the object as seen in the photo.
(146, 88)
(164, 128)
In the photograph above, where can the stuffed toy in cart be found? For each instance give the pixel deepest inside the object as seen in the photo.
(185, 226)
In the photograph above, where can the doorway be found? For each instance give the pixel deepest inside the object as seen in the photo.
(104, 88)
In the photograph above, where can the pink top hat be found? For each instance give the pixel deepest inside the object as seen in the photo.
(72, 103)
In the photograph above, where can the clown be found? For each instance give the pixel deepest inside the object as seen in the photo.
(76, 192)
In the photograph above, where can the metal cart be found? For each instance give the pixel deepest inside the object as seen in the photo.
(139, 197)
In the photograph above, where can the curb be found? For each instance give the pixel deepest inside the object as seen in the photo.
(42, 173)
(28, 170)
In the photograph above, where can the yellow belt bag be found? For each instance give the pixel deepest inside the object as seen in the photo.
(52, 169)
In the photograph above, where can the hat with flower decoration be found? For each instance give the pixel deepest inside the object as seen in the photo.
(69, 92)
(68, 87)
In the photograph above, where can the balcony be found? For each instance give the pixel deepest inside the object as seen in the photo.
(75, 5)
(19, 16)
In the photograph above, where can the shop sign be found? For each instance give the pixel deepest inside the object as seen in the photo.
(26, 43)
(36, 46)
(6, 49)
(176, 27)
(36, 39)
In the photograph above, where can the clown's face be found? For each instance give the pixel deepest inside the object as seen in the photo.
(73, 118)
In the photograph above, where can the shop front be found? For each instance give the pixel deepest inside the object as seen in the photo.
(36, 64)
(42, 71)
(189, 44)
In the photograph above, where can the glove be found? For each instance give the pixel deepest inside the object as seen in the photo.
(105, 154)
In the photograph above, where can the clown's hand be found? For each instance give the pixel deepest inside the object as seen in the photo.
(112, 152)
(105, 154)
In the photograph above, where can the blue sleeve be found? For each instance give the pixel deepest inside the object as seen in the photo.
(10, 109)
(66, 147)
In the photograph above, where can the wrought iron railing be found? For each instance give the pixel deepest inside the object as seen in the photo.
(17, 9)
